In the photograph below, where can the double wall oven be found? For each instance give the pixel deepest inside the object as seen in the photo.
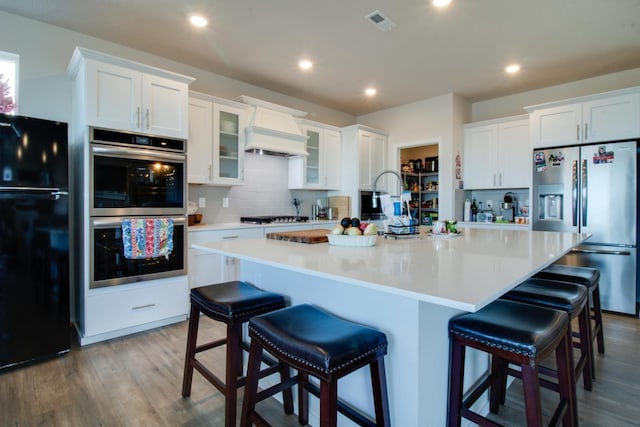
(135, 176)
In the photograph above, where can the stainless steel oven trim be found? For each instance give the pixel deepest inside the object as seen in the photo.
(109, 222)
(136, 154)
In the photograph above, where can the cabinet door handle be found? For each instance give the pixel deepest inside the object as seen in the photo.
(494, 179)
(577, 132)
(140, 307)
(138, 117)
(586, 131)
(148, 124)
(500, 178)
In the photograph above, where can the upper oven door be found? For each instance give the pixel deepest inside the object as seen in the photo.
(134, 181)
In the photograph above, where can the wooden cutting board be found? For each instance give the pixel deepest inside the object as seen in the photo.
(301, 236)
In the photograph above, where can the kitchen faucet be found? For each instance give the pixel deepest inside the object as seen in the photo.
(374, 198)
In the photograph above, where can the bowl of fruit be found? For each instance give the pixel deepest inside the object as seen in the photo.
(353, 232)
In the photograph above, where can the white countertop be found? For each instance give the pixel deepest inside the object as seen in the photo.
(464, 272)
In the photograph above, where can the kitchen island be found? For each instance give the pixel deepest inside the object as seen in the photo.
(407, 288)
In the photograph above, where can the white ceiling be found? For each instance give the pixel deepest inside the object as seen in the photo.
(462, 49)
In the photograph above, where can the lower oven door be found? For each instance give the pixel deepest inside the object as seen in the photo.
(109, 266)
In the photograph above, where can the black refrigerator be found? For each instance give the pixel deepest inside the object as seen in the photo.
(34, 240)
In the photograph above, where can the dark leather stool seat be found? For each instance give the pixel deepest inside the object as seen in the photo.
(232, 303)
(567, 297)
(517, 333)
(586, 276)
(316, 343)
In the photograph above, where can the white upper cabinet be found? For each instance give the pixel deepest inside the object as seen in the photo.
(200, 143)
(372, 149)
(496, 154)
(216, 141)
(604, 117)
(125, 95)
(321, 169)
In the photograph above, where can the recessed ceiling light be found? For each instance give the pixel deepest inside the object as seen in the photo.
(370, 91)
(198, 21)
(305, 64)
(513, 68)
(441, 3)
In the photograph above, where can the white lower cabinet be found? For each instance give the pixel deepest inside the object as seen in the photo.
(109, 310)
(206, 268)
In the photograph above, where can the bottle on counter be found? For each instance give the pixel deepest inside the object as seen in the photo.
(474, 211)
(466, 214)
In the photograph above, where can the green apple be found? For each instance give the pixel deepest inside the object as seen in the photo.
(354, 231)
(338, 229)
(370, 230)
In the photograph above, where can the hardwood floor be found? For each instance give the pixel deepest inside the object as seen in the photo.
(136, 381)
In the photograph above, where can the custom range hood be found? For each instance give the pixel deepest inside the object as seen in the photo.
(272, 129)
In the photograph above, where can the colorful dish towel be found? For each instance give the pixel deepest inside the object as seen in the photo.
(145, 238)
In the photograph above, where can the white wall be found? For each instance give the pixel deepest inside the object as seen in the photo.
(435, 120)
(264, 192)
(514, 104)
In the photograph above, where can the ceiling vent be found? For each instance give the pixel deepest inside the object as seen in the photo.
(381, 21)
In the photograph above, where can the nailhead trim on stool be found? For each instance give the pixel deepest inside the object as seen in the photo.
(586, 276)
(316, 343)
(511, 332)
(232, 303)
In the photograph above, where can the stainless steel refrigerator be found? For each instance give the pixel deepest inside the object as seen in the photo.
(34, 240)
(593, 189)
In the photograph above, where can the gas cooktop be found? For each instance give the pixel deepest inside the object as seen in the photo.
(273, 219)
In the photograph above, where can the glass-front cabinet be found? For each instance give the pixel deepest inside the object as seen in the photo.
(228, 144)
(216, 140)
(313, 159)
(321, 169)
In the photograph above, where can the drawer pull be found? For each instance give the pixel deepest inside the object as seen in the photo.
(230, 237)
(140, 307)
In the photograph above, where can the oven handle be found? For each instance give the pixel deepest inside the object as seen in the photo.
(136, 153)
(117, 221)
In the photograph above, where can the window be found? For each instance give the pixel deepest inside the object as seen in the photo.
(8, 82)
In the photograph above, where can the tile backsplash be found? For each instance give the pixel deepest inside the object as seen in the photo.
(265, 192)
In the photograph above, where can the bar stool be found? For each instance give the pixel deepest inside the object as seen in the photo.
(586, 276)
(316, 343)
(567, 297)
(511, 332)
(232, 303)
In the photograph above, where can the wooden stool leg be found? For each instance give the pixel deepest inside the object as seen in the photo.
(192, 337)
(380, 397)
(532, 395)
(567, 386)
(597, 316)
(303, 399)
(233, 370)
(586, 347)
(287, 394)
(498, 391)
(251, 384)
(328, 403)
(455, 387)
